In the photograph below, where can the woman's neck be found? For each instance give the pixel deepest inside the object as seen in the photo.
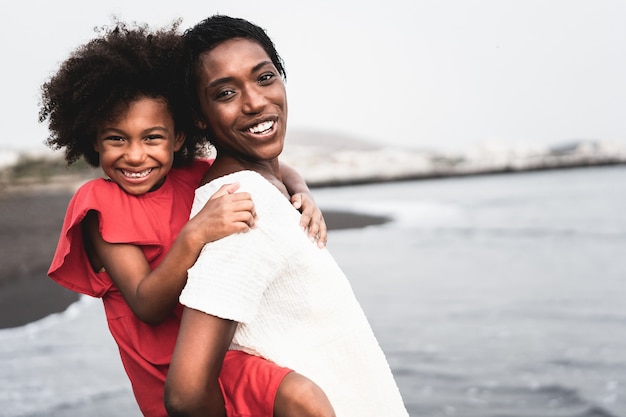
(226, 164)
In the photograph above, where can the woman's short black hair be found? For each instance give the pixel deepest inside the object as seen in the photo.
(101, 78)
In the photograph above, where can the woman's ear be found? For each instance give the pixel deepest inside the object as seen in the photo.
(199, 122)
(179, 141)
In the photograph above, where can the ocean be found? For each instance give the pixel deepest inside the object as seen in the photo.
(492, 296)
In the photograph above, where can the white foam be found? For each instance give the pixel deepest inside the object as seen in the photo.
(63, 359)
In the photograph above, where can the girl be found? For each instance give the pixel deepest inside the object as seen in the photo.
(127, 238)
(285, 299)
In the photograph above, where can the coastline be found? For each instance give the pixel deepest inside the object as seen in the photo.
(340, 164)
(30, 221)
(447, 173)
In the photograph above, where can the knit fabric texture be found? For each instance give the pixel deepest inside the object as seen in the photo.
(293, 303)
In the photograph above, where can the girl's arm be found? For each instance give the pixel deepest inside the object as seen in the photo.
(192, 387)
(153, 294)
(302, 199)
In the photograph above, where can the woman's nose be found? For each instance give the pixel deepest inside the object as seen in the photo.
(254, 101)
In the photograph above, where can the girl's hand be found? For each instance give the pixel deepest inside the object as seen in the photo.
(312, 218)
(225, 213)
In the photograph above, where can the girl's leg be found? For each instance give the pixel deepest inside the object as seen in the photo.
(298, 396)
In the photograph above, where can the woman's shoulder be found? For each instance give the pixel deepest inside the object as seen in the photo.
(260, 189)
(246, 178)
(249, 181)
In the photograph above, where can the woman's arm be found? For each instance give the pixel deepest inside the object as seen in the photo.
(302, 199)
(152, 294)
(192, 387)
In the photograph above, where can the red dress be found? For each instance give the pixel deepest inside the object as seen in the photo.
(152, 222)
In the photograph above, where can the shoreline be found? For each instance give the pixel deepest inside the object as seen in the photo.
(30, 222)
(31, 216)
(444, 173)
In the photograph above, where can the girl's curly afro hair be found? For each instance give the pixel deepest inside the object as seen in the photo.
(101, 78)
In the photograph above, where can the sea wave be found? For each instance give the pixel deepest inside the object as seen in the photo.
(497, 400)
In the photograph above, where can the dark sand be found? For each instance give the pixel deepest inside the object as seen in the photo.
(30, 223)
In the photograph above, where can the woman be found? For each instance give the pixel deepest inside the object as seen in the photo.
(276, 294)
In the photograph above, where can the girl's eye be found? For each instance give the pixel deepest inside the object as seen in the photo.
(154, 137)
(114, 138)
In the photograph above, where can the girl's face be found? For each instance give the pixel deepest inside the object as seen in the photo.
(243, 100)
(137, 149)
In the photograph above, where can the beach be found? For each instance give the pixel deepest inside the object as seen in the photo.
(495, 295)
(30, 222)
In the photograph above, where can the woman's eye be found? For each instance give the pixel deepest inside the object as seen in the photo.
(264, 78)
(224, 94)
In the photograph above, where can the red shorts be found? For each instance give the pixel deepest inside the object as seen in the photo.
(249, 384)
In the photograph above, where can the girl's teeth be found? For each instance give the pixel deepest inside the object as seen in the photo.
(137, 174)
(261, 127)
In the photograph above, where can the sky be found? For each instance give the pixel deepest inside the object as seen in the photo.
(447, 75)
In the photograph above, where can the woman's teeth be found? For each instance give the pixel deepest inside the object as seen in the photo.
(261, 127)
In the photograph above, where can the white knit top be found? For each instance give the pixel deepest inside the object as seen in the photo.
(293, 303)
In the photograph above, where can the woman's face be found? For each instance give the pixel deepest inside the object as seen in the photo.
(243, 100)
